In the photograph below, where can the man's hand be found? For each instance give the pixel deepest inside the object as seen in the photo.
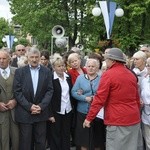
(35, 109)
(3, 107)
(86, 123)
(52, 119)
(11, 104)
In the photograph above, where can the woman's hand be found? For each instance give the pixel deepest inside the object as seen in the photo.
(89, 99)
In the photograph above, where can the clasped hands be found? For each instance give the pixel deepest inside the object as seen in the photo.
(35, 109)
(7, 106)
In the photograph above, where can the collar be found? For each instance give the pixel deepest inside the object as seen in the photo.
(7, 69)
(57, 77)
(36, 68)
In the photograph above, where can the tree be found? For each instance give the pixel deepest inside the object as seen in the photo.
(5, 29)
(38, 17)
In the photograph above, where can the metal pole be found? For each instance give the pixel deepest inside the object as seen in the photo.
(51, 45)
(108, 2)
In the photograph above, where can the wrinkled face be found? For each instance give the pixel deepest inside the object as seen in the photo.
(109, 63)
(4, 60)
(33, 59)
(20, 50)
(59, 68)
(75, 63)
(139, 63)
(44, 61)
(91, 67)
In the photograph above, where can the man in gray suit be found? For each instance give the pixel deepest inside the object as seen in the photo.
(8, 128)
(33, 91)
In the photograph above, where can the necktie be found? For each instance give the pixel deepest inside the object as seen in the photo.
(5, 76)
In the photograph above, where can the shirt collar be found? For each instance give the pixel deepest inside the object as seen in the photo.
(6, 69)
(37, 68)
(57, 77)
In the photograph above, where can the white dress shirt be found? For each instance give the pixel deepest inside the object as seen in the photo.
(7, 70)
(65, 96)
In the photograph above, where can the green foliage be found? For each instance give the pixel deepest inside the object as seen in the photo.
(38, 17)
(5, 29)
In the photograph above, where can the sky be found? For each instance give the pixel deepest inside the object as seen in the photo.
(5, 10)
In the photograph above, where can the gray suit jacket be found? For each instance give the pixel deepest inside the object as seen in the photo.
(23, 91)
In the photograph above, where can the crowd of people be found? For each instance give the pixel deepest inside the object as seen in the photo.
(97, 102)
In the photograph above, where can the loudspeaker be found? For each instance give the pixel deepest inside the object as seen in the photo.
(61, 42)
(80, 46)
(58, 31)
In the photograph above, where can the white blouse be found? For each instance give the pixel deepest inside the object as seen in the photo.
(145, 96)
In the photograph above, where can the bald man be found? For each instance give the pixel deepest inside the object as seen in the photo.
(8, 127)
(20, 51)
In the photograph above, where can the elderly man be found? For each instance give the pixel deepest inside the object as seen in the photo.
(8, 127)
(20, 51)
(118, 93)
(33, 90)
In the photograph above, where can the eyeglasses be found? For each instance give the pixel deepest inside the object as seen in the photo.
(21, 50)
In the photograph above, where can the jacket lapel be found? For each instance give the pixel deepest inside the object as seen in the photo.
(28, 80)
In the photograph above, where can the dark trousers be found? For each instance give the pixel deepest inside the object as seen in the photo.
(60, 132)
(32, 134)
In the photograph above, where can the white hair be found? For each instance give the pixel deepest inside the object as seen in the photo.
(92, 60)
(140, 54)
(22, 61)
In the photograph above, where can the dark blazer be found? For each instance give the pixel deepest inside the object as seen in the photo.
(55, 104)
(24, 94)
(14, 62)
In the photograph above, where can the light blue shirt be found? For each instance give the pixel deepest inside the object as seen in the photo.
(35, 77)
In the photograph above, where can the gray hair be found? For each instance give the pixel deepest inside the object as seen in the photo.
(92, 60)
(33, 50)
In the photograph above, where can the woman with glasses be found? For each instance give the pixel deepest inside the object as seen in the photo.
(145, 96)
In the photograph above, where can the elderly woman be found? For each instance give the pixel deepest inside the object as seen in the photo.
(74, 61)
(139, 59)
(83, 91)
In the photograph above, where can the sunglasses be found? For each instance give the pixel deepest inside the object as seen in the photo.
(21, 50)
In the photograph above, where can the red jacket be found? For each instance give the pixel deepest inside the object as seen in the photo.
(118, 93)
(74, 74)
